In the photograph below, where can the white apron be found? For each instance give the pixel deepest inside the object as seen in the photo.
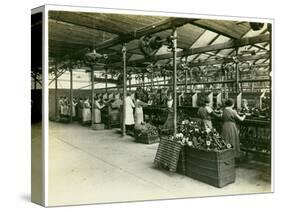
(86, 112)
(139, 115)
(129, 113)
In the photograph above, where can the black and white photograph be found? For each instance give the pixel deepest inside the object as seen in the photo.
(140, 106)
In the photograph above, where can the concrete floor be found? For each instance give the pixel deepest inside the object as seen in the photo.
(87, 166)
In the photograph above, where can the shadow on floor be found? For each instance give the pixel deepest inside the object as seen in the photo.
(25, 197)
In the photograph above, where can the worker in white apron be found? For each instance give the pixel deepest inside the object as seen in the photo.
(129, 112)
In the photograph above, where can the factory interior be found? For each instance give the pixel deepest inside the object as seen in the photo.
(125, 93)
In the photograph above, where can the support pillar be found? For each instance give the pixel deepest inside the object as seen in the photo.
(106, 82)
(92, 97)
(237, 73)
(130, 82)
(175, 80)
(186, 76)
(143, 80)
(71, 93)
(56, 93)
(124, 51)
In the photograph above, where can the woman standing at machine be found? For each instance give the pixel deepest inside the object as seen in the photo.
(97, 106)
(129, 113)
(169, 121)
(139, 111)
(205, 112)
(86, 112)
(229, 129)
(170, 102)
(244, 108)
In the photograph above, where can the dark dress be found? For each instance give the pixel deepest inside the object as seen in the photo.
(229, 129)
(204, 114)
(169, 123)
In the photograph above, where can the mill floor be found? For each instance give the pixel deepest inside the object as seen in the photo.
(87, 166)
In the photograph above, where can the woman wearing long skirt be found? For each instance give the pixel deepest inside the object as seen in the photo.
(138, 110)
(229, 129)
(61, 104)
(169, 123)
(205, 113)
(129, 113)
(86, 113)
(97, 110)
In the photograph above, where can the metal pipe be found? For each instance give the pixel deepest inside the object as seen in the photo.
(269, 26)
(143, 80)
(71, 93)
(92, 96)
(186, 75)
(106, 80)
(124, 89)
(191, 86)
(175, 80)
(237, 73)
(56, 92)
(130, 82)
(197, 83)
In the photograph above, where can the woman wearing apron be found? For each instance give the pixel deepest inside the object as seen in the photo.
(229, 129)
(205, 114)
(97, 110)
(129, 112)
(86, 113)
(139, 111)
(169, 123)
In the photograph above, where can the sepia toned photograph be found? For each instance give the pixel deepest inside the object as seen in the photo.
(152, 106)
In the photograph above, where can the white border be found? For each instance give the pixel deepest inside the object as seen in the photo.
(46, 105)
(273, 106)
(36, 10)
(152, 13)
(52, 7)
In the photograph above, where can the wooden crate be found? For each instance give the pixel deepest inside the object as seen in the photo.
(147, 139)
(214, 168)
(181, 167)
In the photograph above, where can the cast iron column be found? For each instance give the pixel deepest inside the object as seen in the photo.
(92, 96)
(56, 92)
(106, 82)
(71, 93)
(175, 79)
(124, 89)
(237, 72)
(130, 82)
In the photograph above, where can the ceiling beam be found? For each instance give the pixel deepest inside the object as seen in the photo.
(230, 60)
(210, 43)
(150, 29)
(83, 20)
(222, 60)
(226, 28)
(227, 45)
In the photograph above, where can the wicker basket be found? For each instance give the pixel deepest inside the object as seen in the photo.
(214, 168)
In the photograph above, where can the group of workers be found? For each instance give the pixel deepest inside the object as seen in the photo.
(229, 116)
(82, 107)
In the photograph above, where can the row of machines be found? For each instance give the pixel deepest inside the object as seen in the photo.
(255, 130)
